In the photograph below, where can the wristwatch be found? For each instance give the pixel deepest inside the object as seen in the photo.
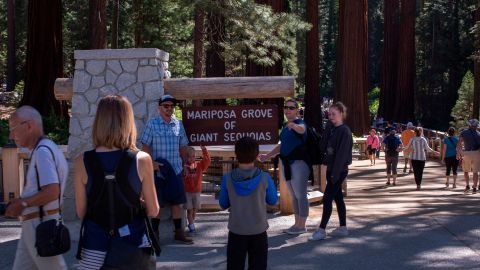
(24, 203)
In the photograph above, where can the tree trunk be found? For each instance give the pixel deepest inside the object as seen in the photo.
(404, 94)
(138, 9)
(44, 56)
(390, 59)
(98, 25)
(199, 36)
(313, 100)
(352, 58)
(215, 63)
(476, 88)
(114, 24)
(11, 80)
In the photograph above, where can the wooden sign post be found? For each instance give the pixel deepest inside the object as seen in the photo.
(224, 125)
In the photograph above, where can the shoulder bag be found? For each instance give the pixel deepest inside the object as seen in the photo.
(52, 237)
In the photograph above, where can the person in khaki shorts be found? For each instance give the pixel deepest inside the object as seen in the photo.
(470, 139)
(192, 181)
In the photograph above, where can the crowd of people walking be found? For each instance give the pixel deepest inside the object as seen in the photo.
(120, 188)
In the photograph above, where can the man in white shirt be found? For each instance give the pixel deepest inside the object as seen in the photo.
(48, 169)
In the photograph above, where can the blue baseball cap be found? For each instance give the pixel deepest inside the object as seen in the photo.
(165, 98)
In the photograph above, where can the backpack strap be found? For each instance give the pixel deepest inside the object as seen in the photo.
(38, 179)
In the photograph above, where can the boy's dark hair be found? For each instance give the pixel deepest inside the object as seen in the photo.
(246, 150)
(451, 131)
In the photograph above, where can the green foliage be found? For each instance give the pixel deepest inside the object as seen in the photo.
(3, 132)
(444, 46)
(3, 44)
(463, 108)
(56, 129)
(374, 100)
(328, 13)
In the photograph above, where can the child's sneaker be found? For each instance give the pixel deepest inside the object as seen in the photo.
(340, 231)
(191, 228)
(319, 234)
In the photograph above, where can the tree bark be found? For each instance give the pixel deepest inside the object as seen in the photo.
(476, 88)
(98, 24)
(199, 36)
(11, 80)
(114, 24)
(313, 100)
(352, 63)
(215, 63)
(404, 94)
(44, 56)
(138, 9)
(390, 59)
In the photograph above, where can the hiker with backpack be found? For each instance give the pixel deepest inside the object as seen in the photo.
(392, 146)
(296, 164)
(114, 193)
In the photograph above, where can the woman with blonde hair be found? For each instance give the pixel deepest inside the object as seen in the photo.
(114, 188)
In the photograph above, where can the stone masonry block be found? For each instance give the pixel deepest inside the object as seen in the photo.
(129, 65)
(125, 80)
(79, 106)
(148, 73)
(114, 65)
(95, 67)
(81, 81)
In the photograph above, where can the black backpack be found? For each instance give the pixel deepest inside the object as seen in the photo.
(312, 145)
(391, 145)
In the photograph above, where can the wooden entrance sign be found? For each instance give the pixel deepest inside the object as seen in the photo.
(218, 88)
(224, 125)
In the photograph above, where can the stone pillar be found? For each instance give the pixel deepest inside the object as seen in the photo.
(134, 73)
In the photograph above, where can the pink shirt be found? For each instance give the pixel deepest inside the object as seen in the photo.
(373, 141)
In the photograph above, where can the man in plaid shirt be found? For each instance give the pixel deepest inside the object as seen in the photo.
(164, 138)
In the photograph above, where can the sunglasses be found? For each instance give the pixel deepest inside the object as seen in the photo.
(289, 108)
(168, 106)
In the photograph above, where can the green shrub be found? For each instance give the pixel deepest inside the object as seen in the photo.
(56, 129)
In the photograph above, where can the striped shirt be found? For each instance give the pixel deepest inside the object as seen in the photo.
(419, 146)
(165, 140)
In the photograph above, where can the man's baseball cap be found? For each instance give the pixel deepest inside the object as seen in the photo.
(409, 125)
(165, 98)
(473, 123)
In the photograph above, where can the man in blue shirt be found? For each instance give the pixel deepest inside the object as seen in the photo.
(164, 138)
(470, 139)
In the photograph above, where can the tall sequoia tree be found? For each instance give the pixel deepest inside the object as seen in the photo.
(98, 24)
(139, 23)
(313, 100)
(11, 45)
(390, 59)
(476, 88)
(44, 56)
(404, 94)
(215, 62)
(352, 58)
(198, 42)
(254, 69)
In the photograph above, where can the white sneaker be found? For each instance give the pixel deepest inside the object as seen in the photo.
(340, 231)
(319, 234)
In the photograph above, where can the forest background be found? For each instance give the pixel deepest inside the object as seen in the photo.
(243, 38)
